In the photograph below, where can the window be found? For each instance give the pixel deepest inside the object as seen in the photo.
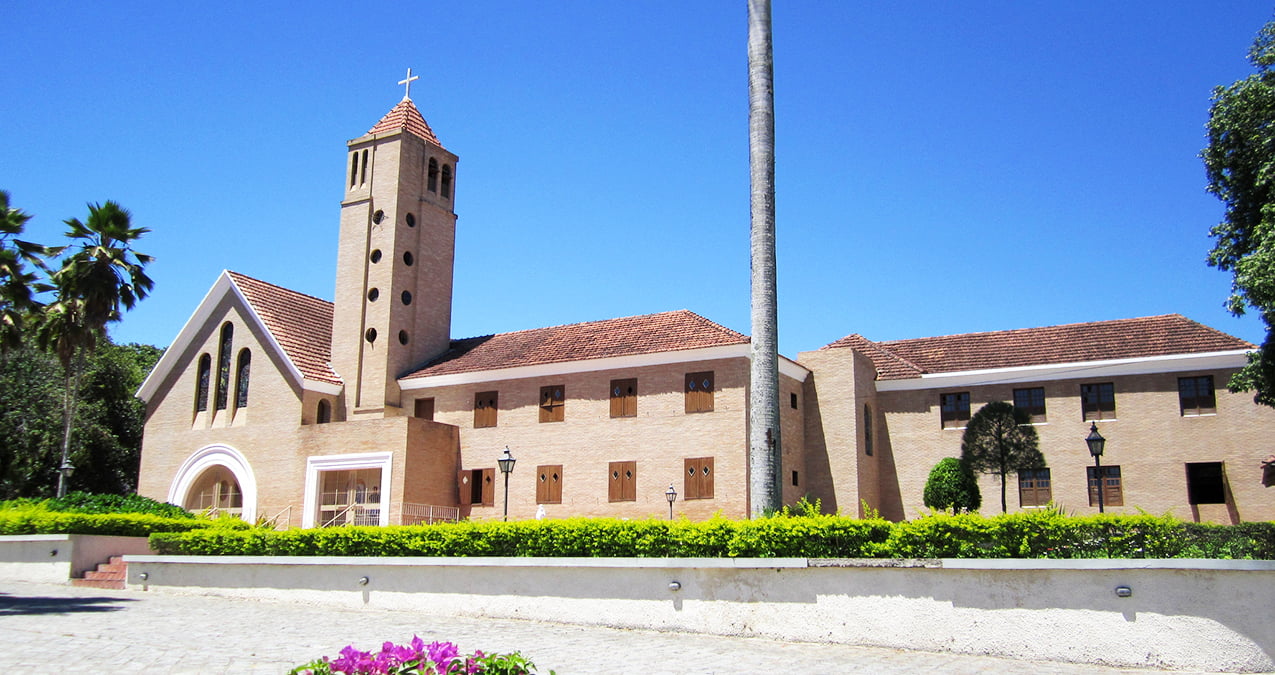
(867, 430)
(1112, 493)
(792, 401)
(1034, 488)
(223, 365)
(363, 171)
(794, 478)
(1196, 397)
(1031, 401)
(433, 175)
(955, 409)
(622, 482)
(241, 378)
(549, 484)
(323, 414)
(1098, 401)
(1206, 483)
(551, 403)
(699, 392)
(477, 486)
(423, 408)
(698, 477)
(624, 398)
(485, 409)
(446, 188)
(201, 383)
(354, 168)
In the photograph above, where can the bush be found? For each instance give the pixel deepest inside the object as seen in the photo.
(83, 502)
(952, 486)
(35, 519)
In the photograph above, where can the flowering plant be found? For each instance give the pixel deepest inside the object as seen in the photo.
(417, 658)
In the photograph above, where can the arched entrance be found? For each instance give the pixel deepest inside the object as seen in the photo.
(217, 478)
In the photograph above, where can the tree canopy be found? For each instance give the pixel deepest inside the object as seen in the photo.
(1240, 161)
(999, 439)
(953, 486)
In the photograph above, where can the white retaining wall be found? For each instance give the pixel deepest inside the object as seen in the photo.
(1181, 614)
(54, 558)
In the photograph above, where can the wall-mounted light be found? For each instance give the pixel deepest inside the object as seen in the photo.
(674, 586)
(1123, 591)
(363, 581)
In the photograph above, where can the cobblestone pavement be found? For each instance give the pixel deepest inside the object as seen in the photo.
(55, 628)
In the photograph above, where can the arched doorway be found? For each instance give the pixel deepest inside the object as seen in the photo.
(216, 477)
(217, 492)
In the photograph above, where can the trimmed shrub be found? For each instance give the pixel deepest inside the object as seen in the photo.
(38, 520)
(952, 486)
(84, 502)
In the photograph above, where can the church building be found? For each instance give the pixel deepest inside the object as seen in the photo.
(276, 405)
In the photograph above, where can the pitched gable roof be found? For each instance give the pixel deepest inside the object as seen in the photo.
(1165, 335)
(300, 323)
(626, 336)
(296, 326)
(405, 116)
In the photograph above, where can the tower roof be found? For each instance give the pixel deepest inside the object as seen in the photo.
(406, 117)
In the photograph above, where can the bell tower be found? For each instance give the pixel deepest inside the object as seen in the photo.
(393, 300)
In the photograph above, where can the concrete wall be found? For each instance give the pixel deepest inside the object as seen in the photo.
(1182, 614)
(54, 558)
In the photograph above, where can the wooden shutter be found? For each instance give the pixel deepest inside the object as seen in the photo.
(549, 484)
(624, 398)
(698, 478)
(488, 477)
(699, 392)
(622, 481)
(464, 484)
(485, 403)
(552, 399)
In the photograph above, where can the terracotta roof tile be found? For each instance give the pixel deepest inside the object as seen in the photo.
(300, 323)
(627, 336)
(406, 116)
(1095, 341)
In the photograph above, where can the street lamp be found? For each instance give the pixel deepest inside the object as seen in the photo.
(1096, 443)
(506, 463)
(65, 478)
(671, 495)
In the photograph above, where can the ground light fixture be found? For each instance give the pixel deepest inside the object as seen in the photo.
(671, 495)
(1096, 444)
(506, 463)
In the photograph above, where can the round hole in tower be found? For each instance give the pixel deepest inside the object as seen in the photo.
(411, 220)
(370, 335)
(402, 337)
(407, 258)
(376, 256)
(407, 297)
(373, 294)
(378, 217)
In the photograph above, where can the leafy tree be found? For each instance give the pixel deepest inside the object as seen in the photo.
(952, 485)
(17, 285)
(107, 431)
(101, 274)
(1240, 160)
(999, 439)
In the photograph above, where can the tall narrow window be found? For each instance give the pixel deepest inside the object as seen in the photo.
(867, 429)
(622, 482)
(323, 414)
(363, 172)
(1112, 490)
(549, 484)
(485, 409)
(354, 168)
(241, 378)
(446, 188)
(699, 392)
(1098, 401)
(1195, 395)
(223, 365)
(1034, 488)
(698, 478)
(552, 399)
(955, 409)
(201, 383)
(1031, 401)
(433, 175)
(624, 398)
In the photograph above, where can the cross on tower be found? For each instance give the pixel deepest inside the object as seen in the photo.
(407, 83)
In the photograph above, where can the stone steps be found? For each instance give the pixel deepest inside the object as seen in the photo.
(109, 575)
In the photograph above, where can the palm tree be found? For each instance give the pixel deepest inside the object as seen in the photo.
(101, 274)
(16, 283)
(765, 451)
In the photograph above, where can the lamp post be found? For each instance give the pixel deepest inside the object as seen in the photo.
(64, 477)
(506, 463)
(671, 495)
(1096, 443)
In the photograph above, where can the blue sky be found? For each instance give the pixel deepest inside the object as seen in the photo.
(942, 167)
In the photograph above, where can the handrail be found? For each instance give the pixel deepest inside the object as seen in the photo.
(340, 513)
(274, 520)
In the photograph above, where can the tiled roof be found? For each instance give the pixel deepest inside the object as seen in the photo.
(1096, 341)
(627, 336)
(300, 323)
(406, 116)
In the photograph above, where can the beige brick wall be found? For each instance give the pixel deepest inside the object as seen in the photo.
(659, 439)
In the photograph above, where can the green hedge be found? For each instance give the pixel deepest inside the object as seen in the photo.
(1035, 535)
(34, 519)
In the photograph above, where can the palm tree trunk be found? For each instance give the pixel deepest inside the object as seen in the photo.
(765, 450)
(69, 400)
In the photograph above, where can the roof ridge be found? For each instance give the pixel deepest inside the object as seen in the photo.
(1033, 328)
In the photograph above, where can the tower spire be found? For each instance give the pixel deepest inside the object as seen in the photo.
(407, 84)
